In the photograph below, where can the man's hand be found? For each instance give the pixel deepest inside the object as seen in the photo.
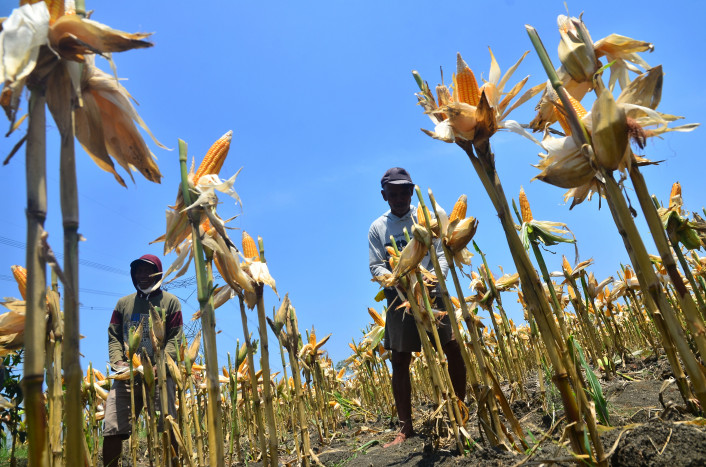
(119, 367)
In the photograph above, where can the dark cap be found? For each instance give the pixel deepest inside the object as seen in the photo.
(149, 259)
(396, 176)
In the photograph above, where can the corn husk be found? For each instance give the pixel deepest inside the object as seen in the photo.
(134, 337)
(462, 231)
(610, 132)
(193, 350)
(281, 315)
(564, 165)
(576, 49)
(157, 324)
(23, 33)
(148, 371)
(72, 37)
(105, 126)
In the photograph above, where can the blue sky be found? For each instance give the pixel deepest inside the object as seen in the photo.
(320, 98)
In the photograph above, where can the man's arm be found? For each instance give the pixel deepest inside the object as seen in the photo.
(116, 351)
(377, 254)
(173, 329)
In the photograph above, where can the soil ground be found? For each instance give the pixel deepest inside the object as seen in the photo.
(646, 430)
(649, 427)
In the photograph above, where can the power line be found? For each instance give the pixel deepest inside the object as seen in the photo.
(96, 308)
(101, 292)
(84, 262)
(7, 278)
(11, 242)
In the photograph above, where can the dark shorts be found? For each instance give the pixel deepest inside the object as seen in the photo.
(117, 407)
(400, 330)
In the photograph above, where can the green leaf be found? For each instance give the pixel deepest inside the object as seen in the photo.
(594, 389)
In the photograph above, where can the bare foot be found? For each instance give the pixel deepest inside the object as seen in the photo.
(399, 439)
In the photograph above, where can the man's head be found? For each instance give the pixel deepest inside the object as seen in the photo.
(397, 189)
(146, 273)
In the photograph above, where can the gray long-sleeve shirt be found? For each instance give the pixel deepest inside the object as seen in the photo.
(379, 238)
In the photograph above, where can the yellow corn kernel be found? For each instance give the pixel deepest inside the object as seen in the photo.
(208, 229)
(214, 158)
(20, 275)
(572, 293)
(249, 248)
(459, 209)
(219, 268)
(420, 216)
(565, 265)
(561, 115)
(56, 9)
(376, 317)
(676, 190)
(98, 376)
(525, 210)
(465, 83)
(675, 200)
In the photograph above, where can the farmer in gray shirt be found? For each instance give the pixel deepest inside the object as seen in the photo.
(401, 336)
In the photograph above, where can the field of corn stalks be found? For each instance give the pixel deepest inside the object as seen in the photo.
(598, 369)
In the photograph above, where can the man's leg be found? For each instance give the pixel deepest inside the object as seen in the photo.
(116, 424)
(457, 369)
(402, 391)
(112, 449)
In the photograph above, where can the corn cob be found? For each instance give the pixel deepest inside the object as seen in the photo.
(628, 273)
(206, 226)
(250, 251)
(20, 275)
(219, 267)
(214, 158)
(459, 209)
(465, 83)
(565, 265)
(55, 7)
(525, 210)
(443, 96)
(420, 216)
(561, 114)
(456, 302)
(376, 317)
(674, 197)
(136, 360)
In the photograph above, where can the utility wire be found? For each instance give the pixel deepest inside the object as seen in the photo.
(7, 278)
(85, 262)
